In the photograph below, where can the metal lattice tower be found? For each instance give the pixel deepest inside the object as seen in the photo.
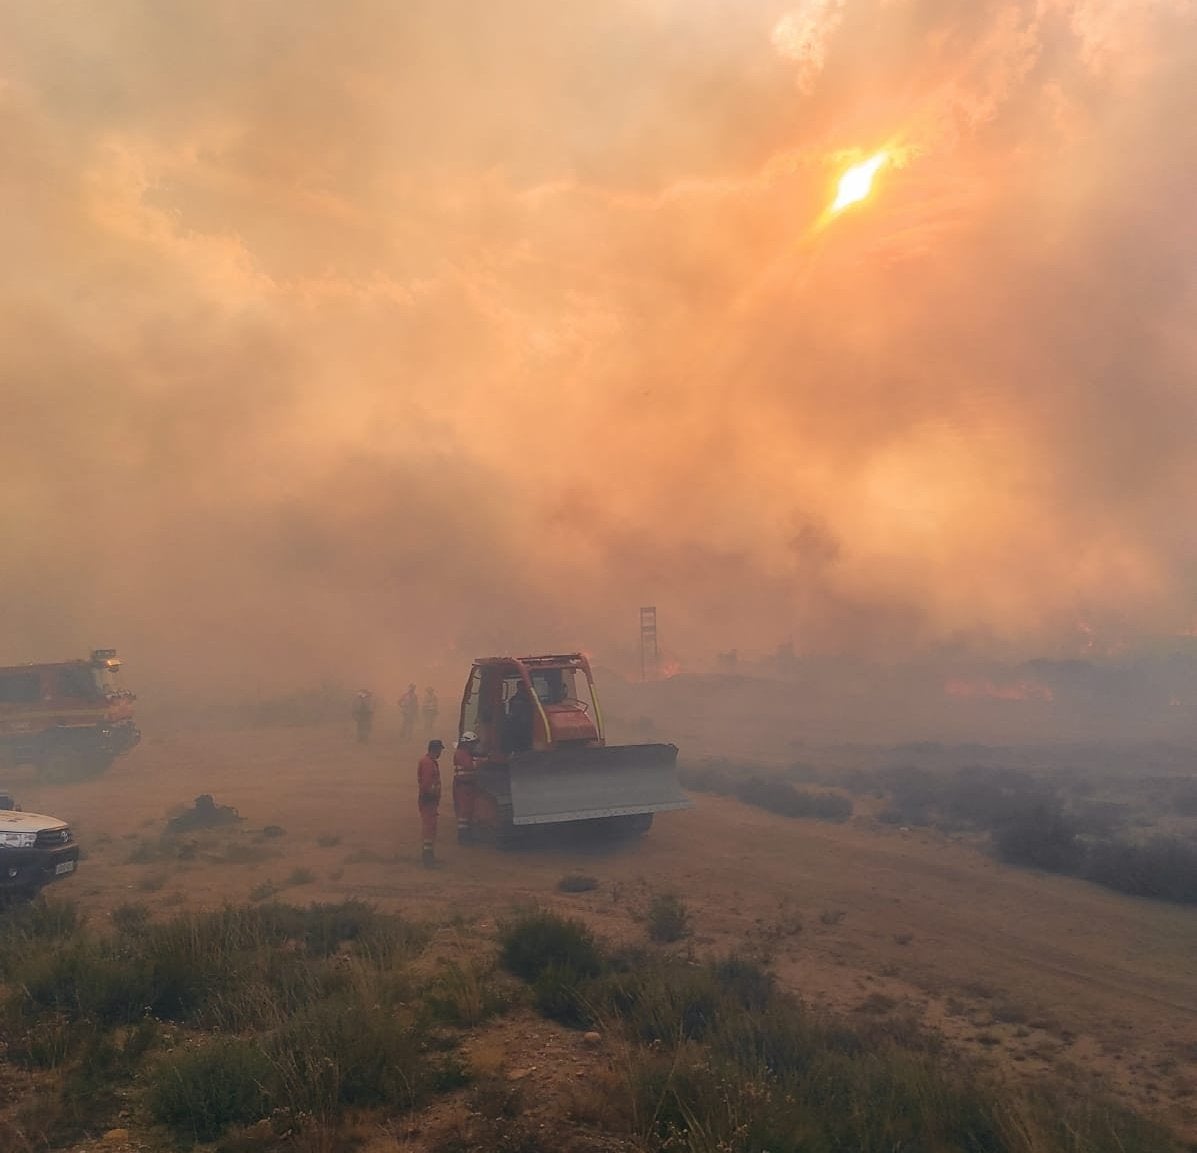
(648, 642)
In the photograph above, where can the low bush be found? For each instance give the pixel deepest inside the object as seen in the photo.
(131, 918)
(746, 981)
(773, 791)
(1164, 869)
(716, 777)
(462, 993)
(538, 940)
(668, 918)
(661, 1003)
(779, 796)
(342, 1052)
(199, 1092)
(577, 883)
(560, 993)
(33, 928)
(1040, 836)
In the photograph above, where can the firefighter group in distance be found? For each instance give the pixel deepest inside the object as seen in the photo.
(413, 709)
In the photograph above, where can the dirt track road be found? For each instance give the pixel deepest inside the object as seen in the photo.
(1030, 970)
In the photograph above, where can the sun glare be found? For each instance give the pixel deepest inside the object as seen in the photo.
(857, 182)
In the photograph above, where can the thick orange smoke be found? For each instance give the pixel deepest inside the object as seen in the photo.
(347, 340)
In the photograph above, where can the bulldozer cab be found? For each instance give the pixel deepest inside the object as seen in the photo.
(517, 704)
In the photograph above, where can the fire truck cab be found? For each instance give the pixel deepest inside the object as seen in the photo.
(69, 718)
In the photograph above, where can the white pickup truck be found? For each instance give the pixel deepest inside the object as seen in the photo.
(34, 850)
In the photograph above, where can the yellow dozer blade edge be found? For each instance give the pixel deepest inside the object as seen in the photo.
(581, 784)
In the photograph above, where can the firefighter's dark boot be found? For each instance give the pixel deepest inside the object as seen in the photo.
(429, 859)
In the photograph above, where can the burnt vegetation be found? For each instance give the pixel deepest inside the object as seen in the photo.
(1043, 820)
(775, 792)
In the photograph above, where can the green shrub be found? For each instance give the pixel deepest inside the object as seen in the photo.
(668, 918)
(748, 982)
(461, 994)
(535, 941)
(344, 1052)
(131, 918)
(86, 978)
(661, 1003)
(559, 994)
(200, 1092)
(30, 929)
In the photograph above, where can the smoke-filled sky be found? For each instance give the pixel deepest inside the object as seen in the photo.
(377, 334)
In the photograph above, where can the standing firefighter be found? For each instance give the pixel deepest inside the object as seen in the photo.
(363, 714)
(428, 776)
(431, 708)
(409, 706)
(465, 764)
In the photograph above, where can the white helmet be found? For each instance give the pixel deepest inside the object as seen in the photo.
(467, 737)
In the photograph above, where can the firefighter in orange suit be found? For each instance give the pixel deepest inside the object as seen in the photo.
(428, 776)
(465, 763)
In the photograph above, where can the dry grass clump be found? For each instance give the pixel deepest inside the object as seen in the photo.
(271, 1012)
(463, 993)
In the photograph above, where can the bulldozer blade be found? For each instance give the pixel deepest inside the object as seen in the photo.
(587, 783)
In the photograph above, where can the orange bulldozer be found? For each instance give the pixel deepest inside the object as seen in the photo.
(542, 758)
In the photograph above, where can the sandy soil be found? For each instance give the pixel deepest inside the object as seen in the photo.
(1034, 972)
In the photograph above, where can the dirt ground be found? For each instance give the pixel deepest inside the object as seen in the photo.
(1033, 972)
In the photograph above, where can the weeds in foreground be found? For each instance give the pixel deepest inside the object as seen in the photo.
(276, 1009)
(716, 1057)
(302, 1019)
(462, 993)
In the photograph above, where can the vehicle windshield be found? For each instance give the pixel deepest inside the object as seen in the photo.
(556, 685)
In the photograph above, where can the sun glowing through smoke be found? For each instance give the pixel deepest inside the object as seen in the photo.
(857, 182)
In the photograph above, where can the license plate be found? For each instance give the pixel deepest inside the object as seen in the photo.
(64, 867)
